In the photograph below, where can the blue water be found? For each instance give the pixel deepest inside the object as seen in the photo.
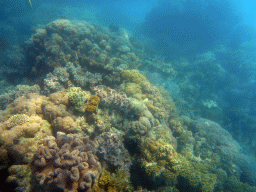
(210, 45)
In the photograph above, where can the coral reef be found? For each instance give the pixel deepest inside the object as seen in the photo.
(56, 81)
(97, 124)
(65, 124)
(133, 76)
(66, 162)
(20, 175)
(81, 78)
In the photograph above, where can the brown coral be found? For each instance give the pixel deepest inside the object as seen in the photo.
(20, 142)
(18, 119)
(93, 103)
(66, 124)
(66, 162)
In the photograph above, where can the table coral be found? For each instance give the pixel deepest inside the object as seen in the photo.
(66, 162)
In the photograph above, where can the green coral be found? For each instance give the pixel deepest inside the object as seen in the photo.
(77, 98)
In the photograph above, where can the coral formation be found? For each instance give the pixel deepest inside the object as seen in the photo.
(112, 98)
(112, 150)
(93, 103)
(20, 141)
(133, 76)
(114, 182)
(15, 120)
(65, 124)
(18, 91)
(66, 162)
(78, 98)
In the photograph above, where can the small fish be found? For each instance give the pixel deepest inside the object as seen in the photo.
(30, 3)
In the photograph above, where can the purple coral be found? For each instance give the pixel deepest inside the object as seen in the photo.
(112, 98)
(66, 162)
(112, 150)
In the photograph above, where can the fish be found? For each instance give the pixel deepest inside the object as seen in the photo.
(30, 3)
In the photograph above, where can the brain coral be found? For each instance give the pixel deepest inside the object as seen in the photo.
(66, 162)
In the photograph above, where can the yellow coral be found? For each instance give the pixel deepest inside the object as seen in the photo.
(93, 103)
(94, 100)
(78, 97)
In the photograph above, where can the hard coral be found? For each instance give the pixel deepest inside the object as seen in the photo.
(93, 103)
(133, 89)
(20, 142)
(77, 98)
(30, 104)
(112, 150)
(20, 175)
(114, 182)
(18, 119)
(66, 124)
(66, 162)
(112, 98)
(133, 76)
